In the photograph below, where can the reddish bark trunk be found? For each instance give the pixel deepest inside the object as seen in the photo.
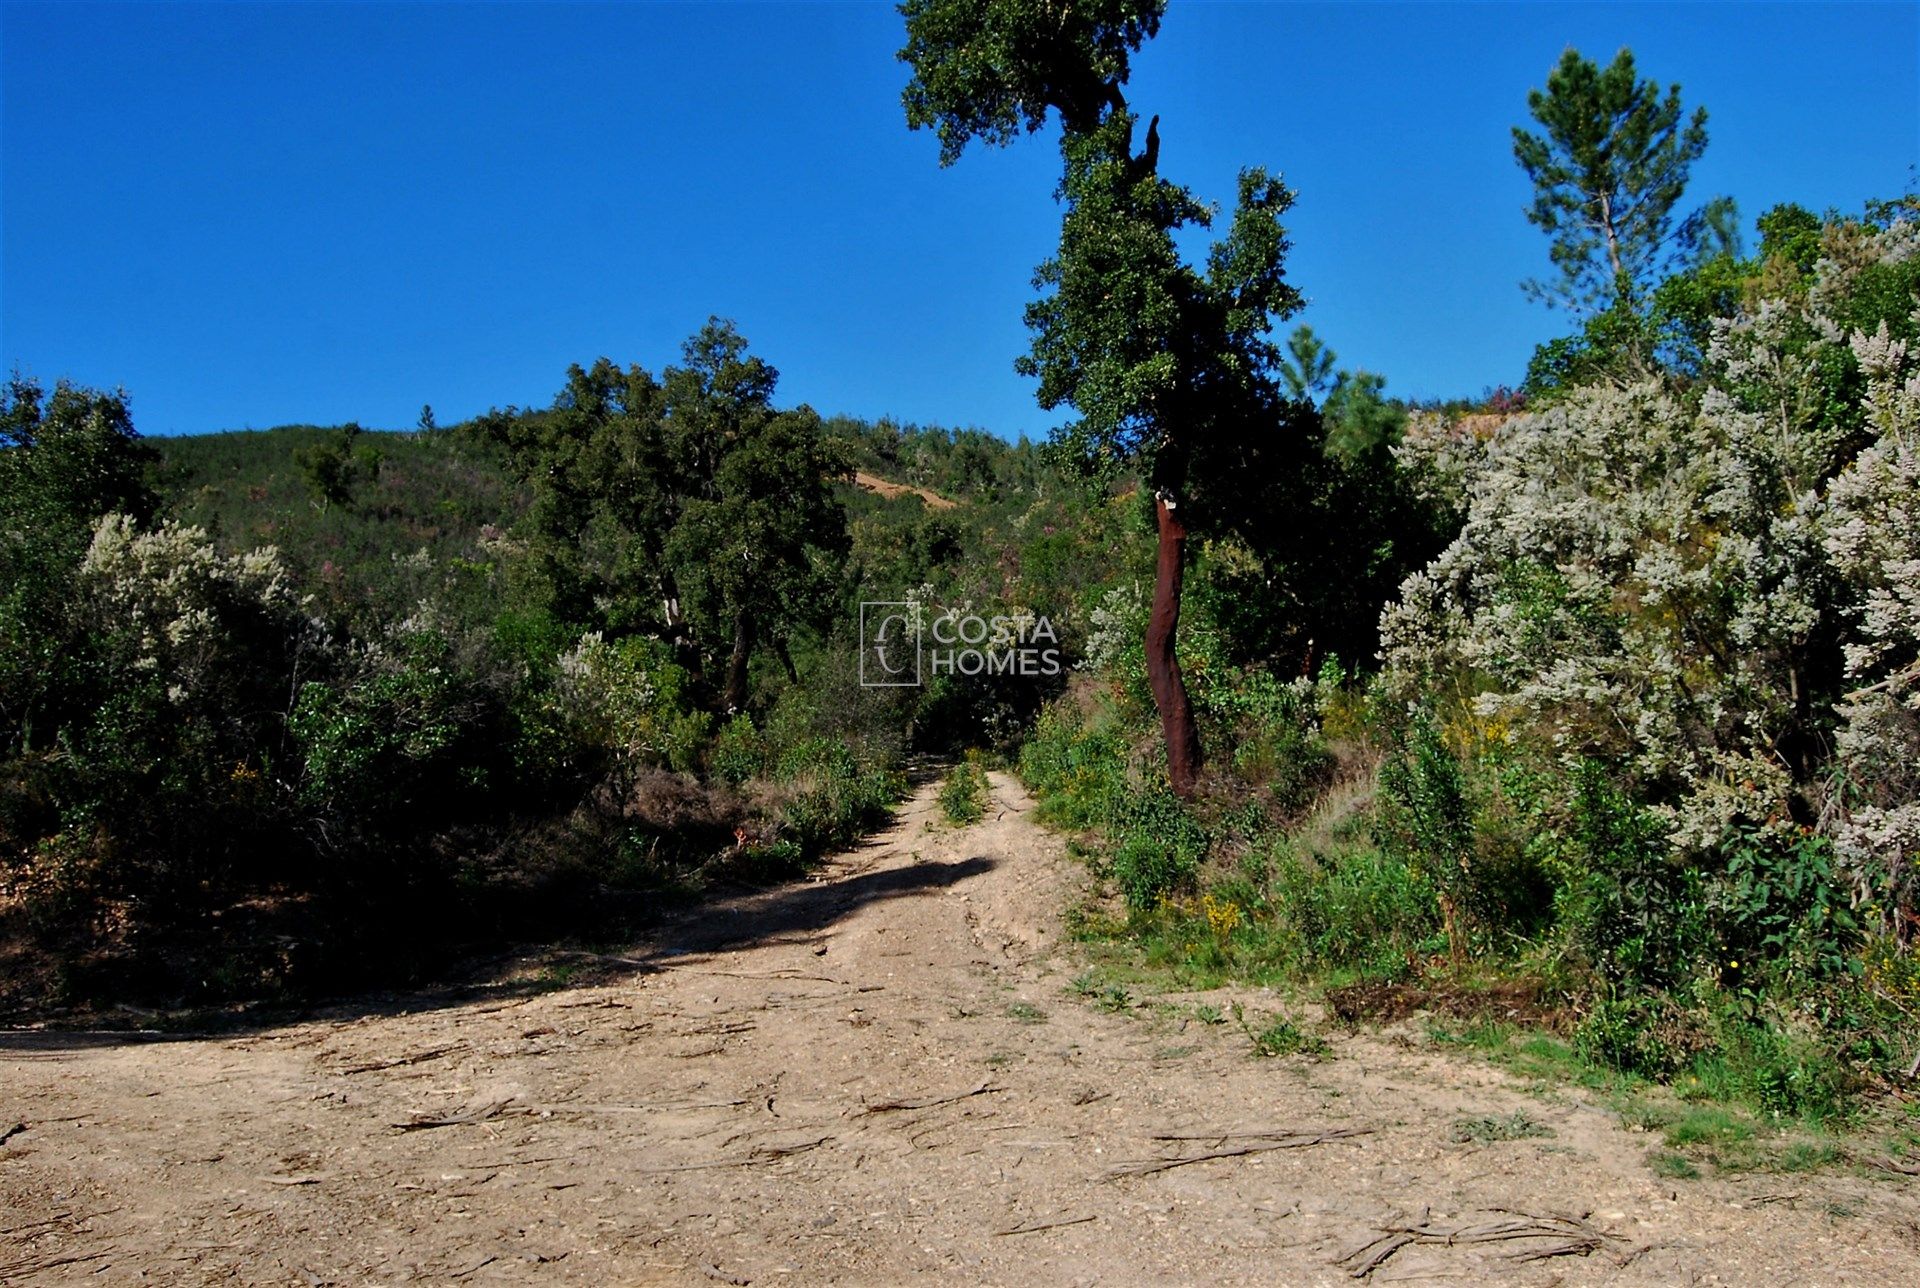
(1163, 668)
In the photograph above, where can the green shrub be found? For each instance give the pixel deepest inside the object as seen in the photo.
(1357, 908)
(831, 799)
(1631, 909)
(398, 748)
(1158, 846)
(738, 752)
(1427, 817)
(1078, 768)
(963, 798)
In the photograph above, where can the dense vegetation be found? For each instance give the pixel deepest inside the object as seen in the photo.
(1601, 698)
(274, 699)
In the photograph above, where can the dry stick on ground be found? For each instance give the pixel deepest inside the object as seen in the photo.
(22, 1269)
(643, 1107)
(758, 1154)
(1262, 1145)
(928, 1102)
(493, 1109)
(608, 959)
(1050, 1225)
(1270, 1133)
(55, 1219)
(416, 1057)
(1571, 1237)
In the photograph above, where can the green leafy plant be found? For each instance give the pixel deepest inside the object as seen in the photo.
(963, 797)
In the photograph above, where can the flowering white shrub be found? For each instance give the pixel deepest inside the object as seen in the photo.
(170, 597)
(1667, 582)
(1115, 627)
(1873, 539)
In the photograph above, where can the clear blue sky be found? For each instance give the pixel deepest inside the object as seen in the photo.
(256, 214)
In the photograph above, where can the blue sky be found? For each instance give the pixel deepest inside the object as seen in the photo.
(249, 215)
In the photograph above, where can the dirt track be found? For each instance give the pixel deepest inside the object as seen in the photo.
(880, 1077)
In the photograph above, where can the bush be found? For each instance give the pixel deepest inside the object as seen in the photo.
(1355, 908)
(1158, 847)
(1077, 766)
(404, 743)
(1426, 816)
(963, 798)
(828, 798)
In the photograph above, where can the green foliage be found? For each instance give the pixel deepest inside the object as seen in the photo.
(1280, 1037)
(1306, 369)
(829, 798)
(337, 464)
(1497, 1127)
(1607, 172)
(1159, 848)
(1351, 907)
(402, 745)
(1429, 818)
(1080, 770)
(963, 797)
(989, 71)
(687, 507)
(1673, 1167)
(65, 460)
(1782, 914)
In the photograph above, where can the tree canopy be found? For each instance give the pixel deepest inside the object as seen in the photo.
(687, 506)
(1167, 364)
(1608, 169)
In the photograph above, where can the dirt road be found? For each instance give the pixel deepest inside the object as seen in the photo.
(878, 1077)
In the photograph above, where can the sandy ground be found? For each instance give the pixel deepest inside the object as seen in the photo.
(877, 1077)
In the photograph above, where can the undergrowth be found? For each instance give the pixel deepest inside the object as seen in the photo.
(1549, 934)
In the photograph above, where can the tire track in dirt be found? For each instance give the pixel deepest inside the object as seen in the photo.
(878, 1076)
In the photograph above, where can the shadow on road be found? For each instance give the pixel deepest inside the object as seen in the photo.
(797, 911)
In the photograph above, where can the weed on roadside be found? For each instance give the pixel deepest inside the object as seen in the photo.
(1485, 1131)
(1281, 1037)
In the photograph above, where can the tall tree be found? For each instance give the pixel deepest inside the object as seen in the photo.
(65, 461)
(1168, 365)
(687, 506)
(1607, 171)
(1307, 367)
(750, 552)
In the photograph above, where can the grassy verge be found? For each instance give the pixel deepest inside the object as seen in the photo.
(1732, 1071)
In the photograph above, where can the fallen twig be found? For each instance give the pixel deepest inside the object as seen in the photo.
(889, 1106)
(608, 959)
(1569, 1237)
(483, 1261)
(758, 1154)
(55, 1219)
(11, 1132)
(395, 1062)
(1049, 1225)
(1269, 1133)
(643, 1107)
(21, 1269)
(1148, 1166)
(481, 1113)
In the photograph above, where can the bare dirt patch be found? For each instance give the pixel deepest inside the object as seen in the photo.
(879, 1076)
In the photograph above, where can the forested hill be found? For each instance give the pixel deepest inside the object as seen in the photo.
(359, 515)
